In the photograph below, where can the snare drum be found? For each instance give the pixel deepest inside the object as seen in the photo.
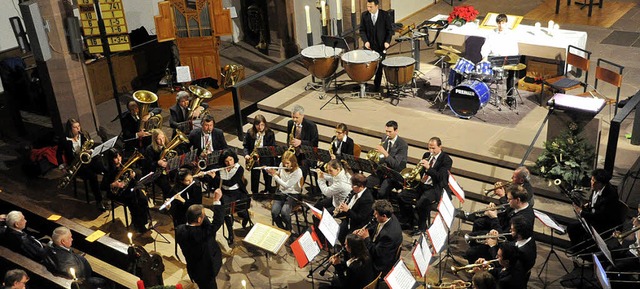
(467, 98)
(498, 73)
(399, 70)
(321, 60)
(455, 78)
(483, 70)
(463, 66)
(360, 64)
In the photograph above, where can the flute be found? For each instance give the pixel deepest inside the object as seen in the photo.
(166, 204)
(202, 174)
(269, 168)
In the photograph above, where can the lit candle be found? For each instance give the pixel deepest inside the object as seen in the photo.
(556, 27)
(323, 11)
(130, 235)
(353, 6)
(308, 18)
(244, 284)
(73, 273)
(550, 25)
(339, 9)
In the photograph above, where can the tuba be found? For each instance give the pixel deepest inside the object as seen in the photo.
(145, 98)
(83, 157)
(168, 152)
(125, 174)
(231, 74)
(201, 94)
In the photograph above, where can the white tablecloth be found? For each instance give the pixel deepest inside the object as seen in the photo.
(531, 41)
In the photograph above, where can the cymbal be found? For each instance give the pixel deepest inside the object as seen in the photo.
(441, 52)
(517, 67)
(451, 59)
(450, 49)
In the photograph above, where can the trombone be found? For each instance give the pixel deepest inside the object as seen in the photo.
(479, 213)
(469, 268)
(458, 284)
(503, 185)
(501, 237)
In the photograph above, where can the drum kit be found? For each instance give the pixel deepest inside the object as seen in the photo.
(471, 86)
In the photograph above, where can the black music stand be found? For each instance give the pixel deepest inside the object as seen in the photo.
(366, 165)
(552, 251)
(351, 161)
(335, 42)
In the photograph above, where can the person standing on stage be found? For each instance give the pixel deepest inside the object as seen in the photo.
(376, 30)
(289, 179)
(338, 189)
(356, 208)
(153, 163)
(197, 240)
(434, 178)
(387, 237)
(394, 152)
(357, 271)
(301, 132)
(233, 190)
(258, 136)
(181, 114)
(69, 149)
(341, 143)
(501, 42)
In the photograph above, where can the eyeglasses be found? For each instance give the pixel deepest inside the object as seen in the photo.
(339, 132)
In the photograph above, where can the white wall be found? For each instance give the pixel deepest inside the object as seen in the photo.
(7, 10)
(405, 8)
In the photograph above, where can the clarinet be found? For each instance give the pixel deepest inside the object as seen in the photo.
(326, 267)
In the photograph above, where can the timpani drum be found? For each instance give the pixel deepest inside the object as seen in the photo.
(398, 70)
(360, 64)
(321, 60)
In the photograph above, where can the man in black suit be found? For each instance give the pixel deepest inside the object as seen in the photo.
(509, 273)
(386, 237)
(181, 113)
(301, 132)
(207, 139)
(521, 231)
(197, 239)
(376, 31)
(15, 279)
(394, 152)
(356, 210)
(16, 240)
(434, 178)
(133, 133)
(600, 212)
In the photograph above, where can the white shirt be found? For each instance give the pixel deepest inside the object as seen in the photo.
(289, 182)
(75, 144)
(522, 242)
(227, 175)
(500, 44)
(338, 190)
(207, 145)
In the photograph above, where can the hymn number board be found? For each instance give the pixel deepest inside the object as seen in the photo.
(115, 25)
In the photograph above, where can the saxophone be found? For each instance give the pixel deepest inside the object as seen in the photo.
(83, 157)
(254, 157)
(291, 137)
(126, 174)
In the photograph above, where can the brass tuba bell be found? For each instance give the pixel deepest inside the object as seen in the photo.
(201, 94)
(231, 74)
(145, 98)
(168, 152)
(125, 173)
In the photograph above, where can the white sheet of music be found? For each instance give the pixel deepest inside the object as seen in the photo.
(309, 246)
(104, 146)
(601, 244)
(266, 237)
(400, 277)
(455, 187)
(329, 227)
(313, 209)
(547, 221)
(437, 233)
(446, 209)
(183, 74)
(422, 255)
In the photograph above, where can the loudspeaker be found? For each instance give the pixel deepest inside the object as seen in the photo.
(35, 29)
(18, 32)
(74, 35)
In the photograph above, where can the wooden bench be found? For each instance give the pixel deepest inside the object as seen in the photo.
(39, 276)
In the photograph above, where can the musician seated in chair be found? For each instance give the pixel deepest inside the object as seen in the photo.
(259, 135)
(181, 113)
(384, 239)
(338, 188)
(624, 248)
(501, 42)
(153, 163)
(357, 271)
(341, 143)
(133, 126)
(68, 152)
(289, 179)
(119, 182)
(521, 233)
(391, 154)
(234, 191)
(356, 209)
(207, 139)
(187, 191)
(509, 272)
(434, 177)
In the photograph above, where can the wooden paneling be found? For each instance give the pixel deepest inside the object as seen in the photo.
(125, 71)
(201, 55)
(165, 29)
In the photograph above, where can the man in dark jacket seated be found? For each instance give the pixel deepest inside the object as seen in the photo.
(15, 239)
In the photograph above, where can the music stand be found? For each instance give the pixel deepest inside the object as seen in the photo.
(551, 223)
(366, 165)
(335, 42)
(351, 161)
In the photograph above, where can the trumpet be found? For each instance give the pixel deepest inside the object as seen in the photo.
(479, 213)
(469, 268)
(458, 285)
(501, 237)
(503, 185)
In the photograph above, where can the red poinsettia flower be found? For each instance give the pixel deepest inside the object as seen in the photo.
(464, 13)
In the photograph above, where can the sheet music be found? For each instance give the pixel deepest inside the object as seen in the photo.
(309, 246)
(104, 146)
(456, 189)
(422, 255)
(400, 277)
(315, 210)
(602, 245)
(446, 209)
(437, 233)
(183, 74)
(547, 221)
(329, 227)
(266, 237)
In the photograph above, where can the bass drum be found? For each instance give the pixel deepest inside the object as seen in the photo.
(467, 98)
(321, 60)
(360, 64)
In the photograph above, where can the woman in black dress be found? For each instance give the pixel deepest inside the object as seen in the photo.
(259, 135)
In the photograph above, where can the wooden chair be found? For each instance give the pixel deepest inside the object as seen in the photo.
(613, 77)
(357, 150)
(374, 283)
(564, 83)
(115, 203)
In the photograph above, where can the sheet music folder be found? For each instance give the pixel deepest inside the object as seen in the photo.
(267, 237)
